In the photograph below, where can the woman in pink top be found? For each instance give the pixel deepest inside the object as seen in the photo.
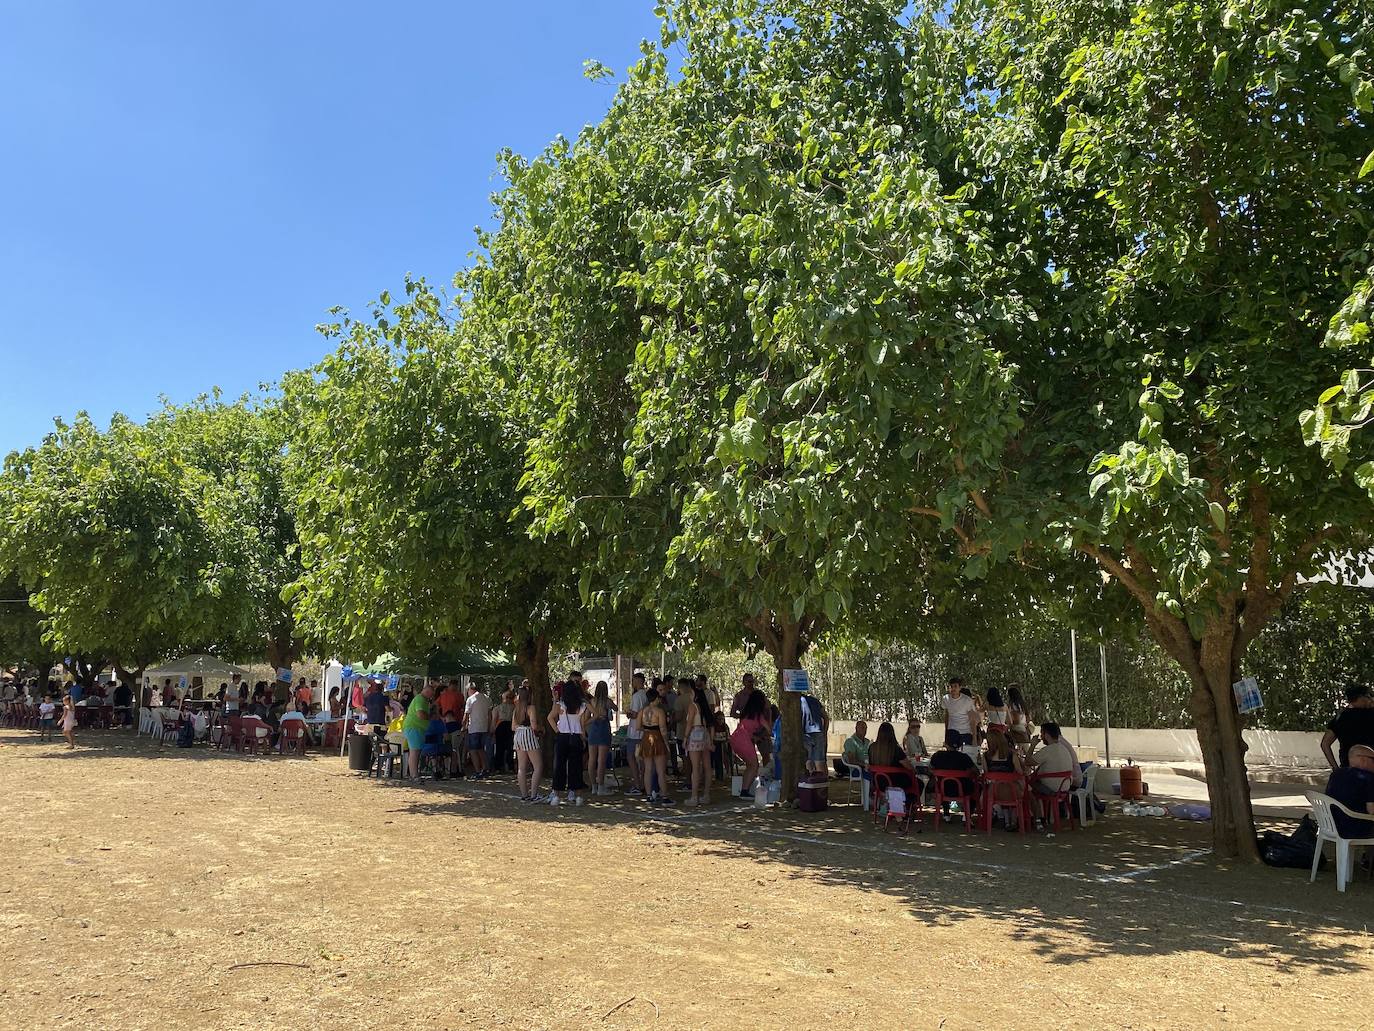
(753, 723)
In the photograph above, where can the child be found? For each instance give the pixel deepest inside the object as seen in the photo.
(69, 721)
(45, 718)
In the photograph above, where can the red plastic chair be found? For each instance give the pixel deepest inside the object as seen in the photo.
(232, 730)
(885, 777)
(249, 741)
(1020, 802)
(292, 738)
(950, 786)
(1058, 800)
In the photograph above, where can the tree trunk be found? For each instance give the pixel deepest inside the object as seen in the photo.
(532, 656)
(281, 652)
(134, 679)
(1223, 757)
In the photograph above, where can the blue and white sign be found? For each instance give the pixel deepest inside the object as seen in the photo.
(284, 675)
(797, 681)
(182, 683)
(393, 681)
(1248, 696)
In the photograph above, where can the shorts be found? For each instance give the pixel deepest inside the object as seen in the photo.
(1050, 786)
(414, 738)
(965, 739)
(699, 740)
(815, 747)
(526, 740)
(477, 742)
(46, 724)
(599, 733)
(652, 745)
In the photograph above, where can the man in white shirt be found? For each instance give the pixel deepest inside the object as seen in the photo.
(477, 721)
(960, 712)
(638, 701)
(1056, 756)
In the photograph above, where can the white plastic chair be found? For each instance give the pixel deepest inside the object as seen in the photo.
(1081, 800)
(1323, 811)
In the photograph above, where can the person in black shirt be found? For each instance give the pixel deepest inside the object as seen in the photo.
(1353, 725)
(1353, 787)
(375, 703)
(953, 759)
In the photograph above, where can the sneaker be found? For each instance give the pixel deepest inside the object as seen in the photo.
(632, 790)
(553, 799)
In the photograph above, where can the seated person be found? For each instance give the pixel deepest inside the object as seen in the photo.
(294, 713)
(855, 750)
(1055, 757)
(1353, 787)
(884, 751)
(1003, 757)
(953, 759)
(913, 744)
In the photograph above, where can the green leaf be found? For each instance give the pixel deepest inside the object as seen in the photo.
(1218, 514)
(1368, 165)
(1220, 67)
(1329, 393)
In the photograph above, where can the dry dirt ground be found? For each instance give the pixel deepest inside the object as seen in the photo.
(138, 882)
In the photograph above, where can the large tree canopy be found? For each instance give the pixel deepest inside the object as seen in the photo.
(138, 541)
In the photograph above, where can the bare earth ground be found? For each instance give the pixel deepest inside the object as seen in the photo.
(137, 877)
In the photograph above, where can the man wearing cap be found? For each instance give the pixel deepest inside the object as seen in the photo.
(1353, 787)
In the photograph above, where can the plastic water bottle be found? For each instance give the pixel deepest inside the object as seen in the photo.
(760, 794)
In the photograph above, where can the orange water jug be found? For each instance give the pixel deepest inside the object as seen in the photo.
(1130, 783)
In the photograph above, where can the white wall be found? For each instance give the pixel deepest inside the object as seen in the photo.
(1268, 747)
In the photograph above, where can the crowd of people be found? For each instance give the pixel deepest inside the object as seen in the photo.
(673, 728)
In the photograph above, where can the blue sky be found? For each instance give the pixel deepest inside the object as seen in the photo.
(185, 188)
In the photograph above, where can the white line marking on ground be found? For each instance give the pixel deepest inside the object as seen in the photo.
(1129, 875)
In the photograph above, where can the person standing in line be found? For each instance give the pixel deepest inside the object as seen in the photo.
(415, 726)
(599, 736)
(529, 758)
(633, 735)
(504, 732)
(477, 719)
(653, 747)
(568, 719)
(697, 731)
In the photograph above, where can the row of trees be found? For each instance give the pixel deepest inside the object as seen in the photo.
(849, 319)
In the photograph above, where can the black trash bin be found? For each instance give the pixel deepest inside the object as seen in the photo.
(359, 753)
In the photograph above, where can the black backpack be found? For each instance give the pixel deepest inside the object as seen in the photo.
(186, 736)
(1291, 850)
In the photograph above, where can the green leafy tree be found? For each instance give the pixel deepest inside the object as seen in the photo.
(1173, 190)
(140, 541)
(406, 452)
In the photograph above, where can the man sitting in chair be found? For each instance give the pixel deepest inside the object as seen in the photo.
(1353, 787)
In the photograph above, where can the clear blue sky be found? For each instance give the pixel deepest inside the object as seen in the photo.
(186, 187)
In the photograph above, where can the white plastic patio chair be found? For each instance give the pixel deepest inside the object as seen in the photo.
(1081, 799)
(1323, 811)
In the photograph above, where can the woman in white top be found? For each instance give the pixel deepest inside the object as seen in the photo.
(569, 720)
(1019, 727)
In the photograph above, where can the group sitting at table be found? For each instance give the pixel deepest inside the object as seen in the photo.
(1048, 767)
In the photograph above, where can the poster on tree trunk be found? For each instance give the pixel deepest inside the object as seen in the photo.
(1248, 697)
(796, 681)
